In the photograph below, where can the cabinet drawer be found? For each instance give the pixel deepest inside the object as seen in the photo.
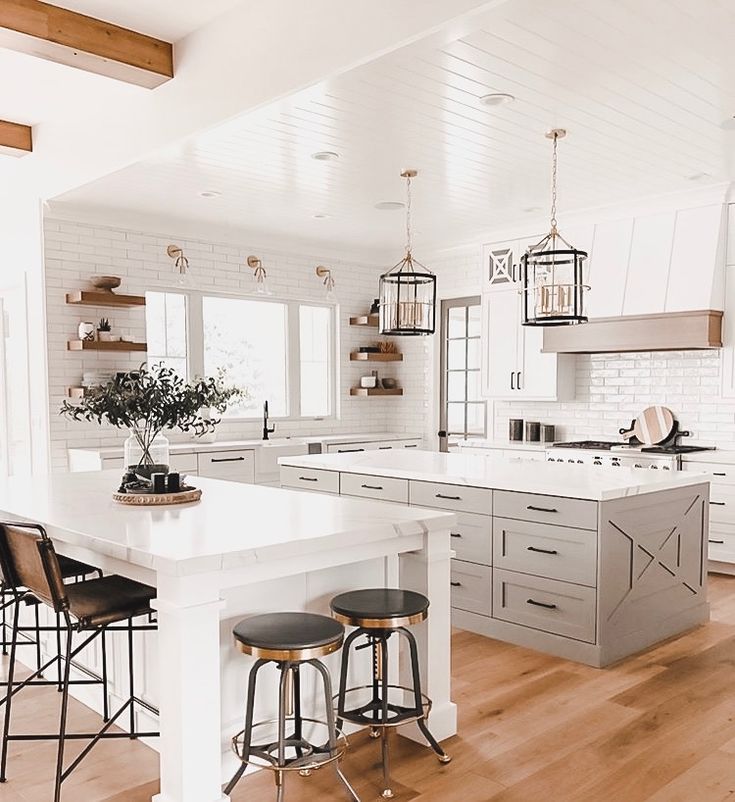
(546, 509)
(310, 479)
(721, 545)
(471, 587)
(235, 466)
(721, 474)
(378, 487)
(184, 463)
(472, 538)
(545, 604)
(386, 445)
(556, 552)
(722, 503)
(451, 497)
(349, 448)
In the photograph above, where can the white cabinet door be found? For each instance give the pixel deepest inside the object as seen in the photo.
(500, 266)
(727, 355)
(500, 343)
(234, 466)
(608, 267)
(648, 266)
(539, 371)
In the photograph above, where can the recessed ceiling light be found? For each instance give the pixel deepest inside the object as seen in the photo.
(729, 123)
(320, 216)
(325, 156)
(389, 206)
(497, 99)
(209, 193)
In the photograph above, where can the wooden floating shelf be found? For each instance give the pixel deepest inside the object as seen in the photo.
(362, 356)
(98, 298)
(96, 345)
(76, 393)
(365, 391)
(365, 320)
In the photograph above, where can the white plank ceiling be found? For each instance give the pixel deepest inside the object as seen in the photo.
(644, 87)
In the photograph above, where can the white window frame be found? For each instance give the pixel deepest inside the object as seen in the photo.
(195, 347)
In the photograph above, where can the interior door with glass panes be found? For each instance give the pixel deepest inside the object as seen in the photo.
(462, 408)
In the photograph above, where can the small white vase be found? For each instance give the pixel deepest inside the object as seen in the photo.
(85, 331)
(107, 337)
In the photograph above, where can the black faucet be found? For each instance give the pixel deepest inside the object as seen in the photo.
(266, 430)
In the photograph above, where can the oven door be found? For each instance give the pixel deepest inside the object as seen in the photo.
(667, 462)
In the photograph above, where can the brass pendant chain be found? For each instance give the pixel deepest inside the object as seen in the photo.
(554, 166)
(408, 217)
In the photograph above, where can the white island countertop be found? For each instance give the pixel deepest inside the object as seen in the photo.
(497, 473)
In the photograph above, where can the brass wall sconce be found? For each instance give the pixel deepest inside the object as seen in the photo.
(325, 274)
(181, 263)
(260, 274)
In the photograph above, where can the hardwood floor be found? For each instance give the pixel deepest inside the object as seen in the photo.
(659, 727)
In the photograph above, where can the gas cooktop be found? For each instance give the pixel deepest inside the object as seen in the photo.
(607, 445)
(591, 445)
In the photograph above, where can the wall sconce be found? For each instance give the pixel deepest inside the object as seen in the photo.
(181, 264)
(325, 274)
(260, 275)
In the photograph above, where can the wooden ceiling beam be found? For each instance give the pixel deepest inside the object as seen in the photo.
(15, 139)
(66, 37)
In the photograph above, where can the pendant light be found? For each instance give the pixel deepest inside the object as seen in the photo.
(407, 291)
(553, 281)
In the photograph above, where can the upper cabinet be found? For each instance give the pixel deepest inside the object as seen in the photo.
(501, 263)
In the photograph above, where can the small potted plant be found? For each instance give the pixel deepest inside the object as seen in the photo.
(149, 402)
(104, 331)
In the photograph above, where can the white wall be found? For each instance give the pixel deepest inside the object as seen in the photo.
(75, 250)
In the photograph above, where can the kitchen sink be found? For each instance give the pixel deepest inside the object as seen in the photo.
(268, 452)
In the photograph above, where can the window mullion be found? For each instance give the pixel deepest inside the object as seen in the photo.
(195, 334)
(293, 357)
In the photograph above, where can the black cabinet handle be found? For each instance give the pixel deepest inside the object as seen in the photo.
(720, 473)
(541, 551)
(718, 503)
(719, 542)
(541, 604)
(455, 534)
(518, 380)
(384, 448)
(456, 584)
(307, 479)
(411, 445)
(448, 498)
(512, 374)
(227, 459)
(372, 487)
(348, 450)
(541, 509)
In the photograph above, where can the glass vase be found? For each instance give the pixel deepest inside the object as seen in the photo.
(144, 455)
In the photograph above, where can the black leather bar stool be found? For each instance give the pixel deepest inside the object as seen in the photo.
(378, 614)
(30, 567)
(290, 641)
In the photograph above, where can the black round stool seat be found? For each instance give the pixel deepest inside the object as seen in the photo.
(380, 608)
(288, 636)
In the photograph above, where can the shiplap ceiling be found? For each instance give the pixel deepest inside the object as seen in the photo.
(643, 88)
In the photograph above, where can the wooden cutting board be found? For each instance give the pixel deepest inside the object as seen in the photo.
(654, 425)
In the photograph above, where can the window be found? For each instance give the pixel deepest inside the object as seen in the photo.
(165, 320)
(282, 352)
(315, 339)
(248, 341)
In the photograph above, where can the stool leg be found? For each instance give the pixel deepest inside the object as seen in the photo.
(343, 671)
(58, 649)
(385, 731)
(62, 719)
(105, 695)
(4, 623)
(9, 698)
(247, 735)
(331, 725)
(38, 639)
(131, 680)
(421, 722)
(283, 700)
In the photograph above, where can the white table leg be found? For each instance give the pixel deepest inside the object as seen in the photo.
(189, 696)
(427, 571)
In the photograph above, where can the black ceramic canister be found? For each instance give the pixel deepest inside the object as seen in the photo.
(515, 429)
(173, 482)
(533, 431)
(159, 482)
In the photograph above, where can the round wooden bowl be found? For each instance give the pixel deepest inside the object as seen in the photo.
(186, 496)
(105, 283)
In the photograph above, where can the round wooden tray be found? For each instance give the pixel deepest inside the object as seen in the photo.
(185, 496)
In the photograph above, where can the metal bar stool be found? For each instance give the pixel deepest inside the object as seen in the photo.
(378, 614)
(30, 566)
(71, 570)
(291, 641)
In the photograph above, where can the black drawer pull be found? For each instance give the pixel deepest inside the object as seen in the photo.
(718, 503)
(384, 448)
(348, 450)
(541, 604)
(412, 445)
(448, 498)
(307, 479)
(372, 487)
(456, 584)
(721, 473)
(718, 542)
(541, 509)
(227, 459)
(541, 551)
(455, 534)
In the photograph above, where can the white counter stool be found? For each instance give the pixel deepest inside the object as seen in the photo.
(30, 567)
(290, 641)
(378, 614)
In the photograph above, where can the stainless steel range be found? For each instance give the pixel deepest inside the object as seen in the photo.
(610, 454)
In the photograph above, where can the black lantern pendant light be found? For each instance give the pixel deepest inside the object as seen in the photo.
(553, 281)
(408, 290)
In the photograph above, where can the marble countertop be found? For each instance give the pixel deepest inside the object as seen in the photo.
(497, 473)
(232, 524)
(520, 445)
(203, 447)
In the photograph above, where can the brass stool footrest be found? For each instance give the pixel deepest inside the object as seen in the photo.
(370, 714)
(311, 757)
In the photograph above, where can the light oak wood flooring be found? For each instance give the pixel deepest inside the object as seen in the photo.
(659, 727)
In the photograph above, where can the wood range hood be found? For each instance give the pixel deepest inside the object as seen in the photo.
(666, 331)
